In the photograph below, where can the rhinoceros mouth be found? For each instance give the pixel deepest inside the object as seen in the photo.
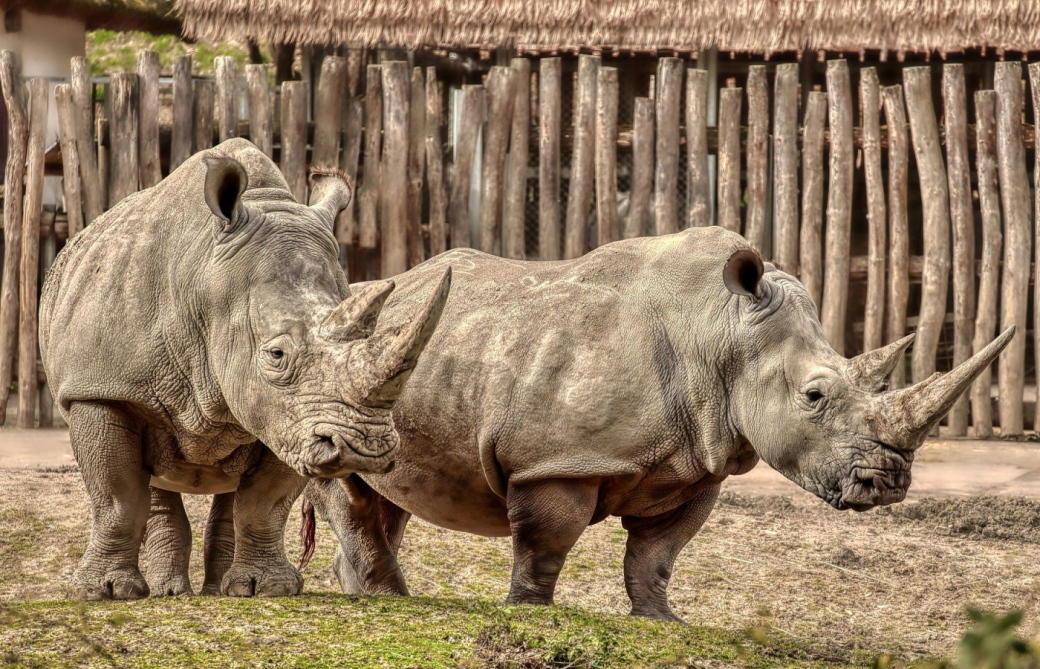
(867, 487)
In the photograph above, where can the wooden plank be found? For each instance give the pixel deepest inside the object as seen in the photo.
(513, 242)
(368, 193)
(227, 97)
(500, 95)
(757, 156)
(698, 184)
(205, 94)
(1018, 238)
(989, 263)
(416, 167)
(435, 164)
(123, 140)
(14, 173)
(29, 277)
(640, 215)
(959, 175)
(785, 179)
(294, 137)
(261, 127)
(95, 198)
(71, 183)
(606, 155)
(180, 138)
(811, 248)
(353, 116)
(579, 195)
(870, 109)
(899, 239)
(666, 171)
(393, 214)
(1034, 81)
(148, 118)
(729, 158)
(471, 105)
(549, 247)
(839, 205)
(328, 110)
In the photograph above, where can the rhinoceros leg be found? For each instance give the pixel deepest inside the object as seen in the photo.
(653, 544)
(107, 443)
(262, 504)
(167, 544)
(545, 519)
(219, 542)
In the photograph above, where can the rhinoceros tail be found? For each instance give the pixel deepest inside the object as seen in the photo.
(306, 534)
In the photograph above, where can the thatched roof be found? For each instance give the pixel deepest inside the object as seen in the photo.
(760, 26)
(154, 16)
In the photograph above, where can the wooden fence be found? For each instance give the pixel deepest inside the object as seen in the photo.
(386, 126)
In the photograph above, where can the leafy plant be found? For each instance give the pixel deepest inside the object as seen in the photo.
(993, 644)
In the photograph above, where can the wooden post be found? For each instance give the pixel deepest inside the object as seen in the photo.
(294, 138)
(28, 380)
(435, 164)
(606, 154)
(227, 98)
(470, 108)
(729, 158)
(639, 210)
(698, 184)
(899, 240)
(148, 118)
(205, 94)
(346, 220)
(955, 103)
(839, 205)
(123, 140)
(811, 251)
(328, 110)
(393, 214)
(180, 140)
(580, 193)
(261, 128)
(1034, 80)
(785, 180)
(989, 282)
(513, 242)
(500, 92)
(14, 172)
(666, 172)
(549, 159)
(1018, 240)
(49, 242)
(94, 196)
(757, 156)
(870, 108)
(368, 193)
(69, 157)
(416, 168)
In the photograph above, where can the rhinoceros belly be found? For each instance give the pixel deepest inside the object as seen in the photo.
(196, 480)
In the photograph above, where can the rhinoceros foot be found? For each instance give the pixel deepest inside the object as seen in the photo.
(279, 579)
(169, 584)
(121, 583)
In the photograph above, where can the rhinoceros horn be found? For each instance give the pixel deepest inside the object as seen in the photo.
(330, 192)
(870, 369)
(905, 417)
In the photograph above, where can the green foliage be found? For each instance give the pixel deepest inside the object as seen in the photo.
(110, 51)
(993, 644)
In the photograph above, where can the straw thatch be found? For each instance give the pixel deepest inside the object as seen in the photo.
(760, 26)
(154, 16)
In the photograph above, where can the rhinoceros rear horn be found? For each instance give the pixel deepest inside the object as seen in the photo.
(742, 273)
(356, 316)
(330, 193)
(226, 180)
(870, 369)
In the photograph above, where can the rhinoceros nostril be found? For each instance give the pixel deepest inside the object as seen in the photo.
(323, 451)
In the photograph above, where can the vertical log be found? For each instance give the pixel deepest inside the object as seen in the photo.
(69, 157)
(729, 158)
(1034, 80)
(606, 154)
(785, 180)
(1014, 192)
(839, 205)
(227, 97)
(579, 194)
(435, 164)
(346, 221)
(870, 108)
(148, 118)
(698, 184)
(14, 172)
(811, 251)
(180, 140)
(416, 165)
(48, 248)
(368, 194)
(328, 110)
(516, 164)
(294, 137)
(470, 108)
(899, 240)
(28, 380)
(500, 94)
(205, 94)
(261, 129)
(639, 211)
(549, 159)
(123, 140)
(758, 155)
(394, 193)
(94, 196)
(989, 282)
(666, 172)
(955, 103)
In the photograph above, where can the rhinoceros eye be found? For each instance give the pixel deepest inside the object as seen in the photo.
(276, 356)
(813, 395)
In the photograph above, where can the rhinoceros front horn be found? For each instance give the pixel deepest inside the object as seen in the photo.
(905, 417)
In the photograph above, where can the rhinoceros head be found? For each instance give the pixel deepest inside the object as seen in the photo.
(311, 376)
(829, 423)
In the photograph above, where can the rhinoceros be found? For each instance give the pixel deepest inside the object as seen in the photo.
(201, 337)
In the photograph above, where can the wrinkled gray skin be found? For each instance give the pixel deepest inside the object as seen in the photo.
(200, 337)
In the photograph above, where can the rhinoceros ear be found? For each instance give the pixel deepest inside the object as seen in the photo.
(226, 180)
(742, 273)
